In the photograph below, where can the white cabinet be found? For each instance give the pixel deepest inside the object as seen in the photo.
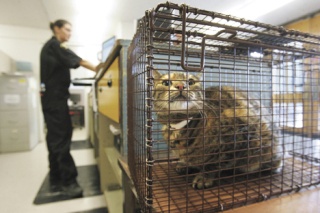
(18, 113)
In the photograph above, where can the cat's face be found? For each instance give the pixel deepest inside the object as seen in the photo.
(177, 92)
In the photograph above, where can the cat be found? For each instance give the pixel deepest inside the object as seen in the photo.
(213, 129)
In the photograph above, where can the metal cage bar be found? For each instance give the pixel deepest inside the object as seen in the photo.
(255, 85)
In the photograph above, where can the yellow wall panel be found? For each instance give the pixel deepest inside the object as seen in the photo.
(108, 92)
(302, 25)
(315, 25)
(308, 25)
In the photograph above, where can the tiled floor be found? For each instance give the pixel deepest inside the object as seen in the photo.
(22, 173)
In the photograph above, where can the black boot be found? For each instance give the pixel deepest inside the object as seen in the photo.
(72, 190)
(55, 184)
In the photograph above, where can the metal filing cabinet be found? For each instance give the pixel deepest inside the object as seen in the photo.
(18, 123)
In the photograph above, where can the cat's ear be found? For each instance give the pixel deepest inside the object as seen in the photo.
(156, 74)
(199, 76)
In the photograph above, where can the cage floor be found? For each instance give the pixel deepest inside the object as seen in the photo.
(174, 193)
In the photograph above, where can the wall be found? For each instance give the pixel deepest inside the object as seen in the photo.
(125, 30)
(24, 44)
(311, 105)
(5, 63)
(308, 25)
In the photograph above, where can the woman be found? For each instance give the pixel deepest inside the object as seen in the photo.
(55, 62)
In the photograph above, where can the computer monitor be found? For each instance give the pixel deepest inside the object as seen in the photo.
(107, 47)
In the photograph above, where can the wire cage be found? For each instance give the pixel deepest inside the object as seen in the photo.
(223, 112)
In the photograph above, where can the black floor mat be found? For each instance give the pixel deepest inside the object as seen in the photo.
(88, 178)
(99, 210)
(82, 144)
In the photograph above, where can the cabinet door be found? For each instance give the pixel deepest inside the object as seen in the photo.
(108, 92)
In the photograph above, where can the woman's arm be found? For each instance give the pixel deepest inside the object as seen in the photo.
(88, 65)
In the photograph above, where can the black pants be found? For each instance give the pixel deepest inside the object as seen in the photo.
(59, 133)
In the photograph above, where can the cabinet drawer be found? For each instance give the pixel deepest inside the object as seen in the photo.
(14, 139)
(13, 119)
(13, 84)
(13, 101)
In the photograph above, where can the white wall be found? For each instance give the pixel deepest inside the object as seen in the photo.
(125, 30)
(5, 63)
(24, 44)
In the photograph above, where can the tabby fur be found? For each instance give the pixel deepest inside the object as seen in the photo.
(214, 129)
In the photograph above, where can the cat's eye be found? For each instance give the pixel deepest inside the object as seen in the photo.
(191, 81)
(166, 82)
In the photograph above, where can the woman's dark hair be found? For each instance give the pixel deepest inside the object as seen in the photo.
(58, 23)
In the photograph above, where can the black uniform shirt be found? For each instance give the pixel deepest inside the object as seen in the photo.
(55, 64)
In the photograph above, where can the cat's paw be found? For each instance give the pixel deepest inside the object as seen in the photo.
(202, 181)
(182, 169)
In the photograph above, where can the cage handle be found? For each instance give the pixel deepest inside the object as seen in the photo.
(232, 33)
(183, 43)
(227, 31)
